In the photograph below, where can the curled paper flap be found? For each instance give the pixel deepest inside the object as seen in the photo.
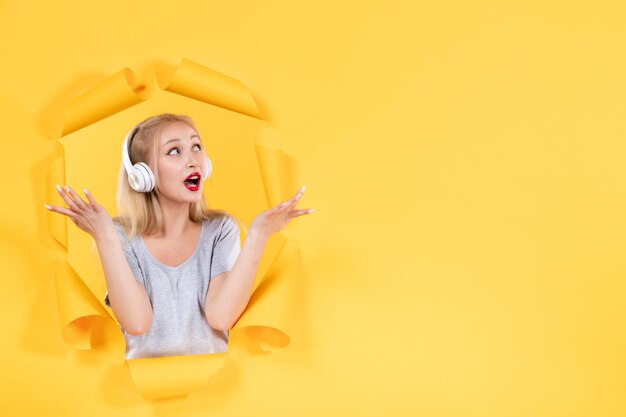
(56, 224)
(170, 376)
(201, 83)
(78, 308)
(277, 172)
(268, 317)
(266, 322)
(111, 96)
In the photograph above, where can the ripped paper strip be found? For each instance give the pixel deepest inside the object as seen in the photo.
(265, 324)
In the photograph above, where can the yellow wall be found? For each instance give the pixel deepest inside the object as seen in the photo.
(465, 160)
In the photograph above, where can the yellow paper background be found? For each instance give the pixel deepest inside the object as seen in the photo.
(465, 160)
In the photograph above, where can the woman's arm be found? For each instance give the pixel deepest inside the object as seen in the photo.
(229, 292)
(128, 297)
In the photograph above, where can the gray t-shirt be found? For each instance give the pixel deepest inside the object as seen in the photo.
(178, 294)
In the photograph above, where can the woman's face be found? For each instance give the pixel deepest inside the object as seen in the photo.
(180, 155)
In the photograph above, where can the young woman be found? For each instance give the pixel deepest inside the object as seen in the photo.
(177, 279)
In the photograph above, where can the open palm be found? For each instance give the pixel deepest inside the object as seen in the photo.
(88, 215)
(276, 219)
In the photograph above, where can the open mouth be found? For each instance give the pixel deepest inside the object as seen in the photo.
(192, 182)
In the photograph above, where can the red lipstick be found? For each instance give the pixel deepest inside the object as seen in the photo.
(192, 182)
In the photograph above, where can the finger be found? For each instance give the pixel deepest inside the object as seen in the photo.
(79, 201)
(297, 196)
(68, 200)
(296, 213)
(291, 203)
(280, 207)
(61, 210)
(92, 200)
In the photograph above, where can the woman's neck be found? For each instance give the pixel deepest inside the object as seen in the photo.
(176, 219)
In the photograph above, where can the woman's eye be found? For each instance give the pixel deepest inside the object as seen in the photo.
(178, 151)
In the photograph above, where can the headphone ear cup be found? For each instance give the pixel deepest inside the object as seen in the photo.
(140, 176)
(208, 167)
(144, 178)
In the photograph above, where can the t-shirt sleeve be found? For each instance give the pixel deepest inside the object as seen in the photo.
(131, 257)
(226, 249)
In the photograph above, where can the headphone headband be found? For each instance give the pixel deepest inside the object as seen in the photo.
(125, 149)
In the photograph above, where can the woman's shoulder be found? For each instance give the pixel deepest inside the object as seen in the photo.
(221, 222)
(122, 229)
(216, 220)
(218, 216)
(118, 225)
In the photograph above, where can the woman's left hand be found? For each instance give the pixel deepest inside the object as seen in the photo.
(275, 219)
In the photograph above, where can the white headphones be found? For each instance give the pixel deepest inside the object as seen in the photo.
(140, 176)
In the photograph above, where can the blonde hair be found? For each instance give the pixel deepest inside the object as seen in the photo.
(140, 213)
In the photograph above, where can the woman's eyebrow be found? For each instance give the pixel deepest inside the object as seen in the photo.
(175, 139)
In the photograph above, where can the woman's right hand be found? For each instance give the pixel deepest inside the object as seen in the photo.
(88, 216)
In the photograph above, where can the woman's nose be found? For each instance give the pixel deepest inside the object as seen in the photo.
(193, 163)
